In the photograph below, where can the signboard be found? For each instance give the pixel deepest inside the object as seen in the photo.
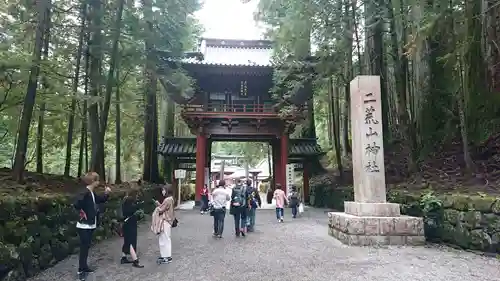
(290, 177)
(180, 174)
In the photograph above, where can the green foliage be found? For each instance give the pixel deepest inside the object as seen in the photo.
(176, 32)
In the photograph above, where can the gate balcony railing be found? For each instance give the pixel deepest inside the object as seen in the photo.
(231, 108)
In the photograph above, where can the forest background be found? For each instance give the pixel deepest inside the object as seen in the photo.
(79, 88)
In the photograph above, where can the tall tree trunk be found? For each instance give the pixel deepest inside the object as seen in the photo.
(118, 174)
(111, 81)
(335, 105)
(29, 100)
(45, 86)
(95, 48)
(150, 169)
(169, 132)
(84, 155)
(375, 42)
(76, 80)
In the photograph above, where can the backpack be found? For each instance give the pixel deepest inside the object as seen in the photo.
(238, 199)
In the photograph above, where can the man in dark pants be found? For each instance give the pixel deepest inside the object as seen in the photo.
(239, 208)
(87, 206)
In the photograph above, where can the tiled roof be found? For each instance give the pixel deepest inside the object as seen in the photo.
(298, 148)
(218, 52)
(304, 148)
(177, 146)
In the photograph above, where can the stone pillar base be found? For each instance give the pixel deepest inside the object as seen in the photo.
(376, 231)
(372, 209)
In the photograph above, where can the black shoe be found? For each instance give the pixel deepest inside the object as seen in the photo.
(87, 270)
(169, 259)
(82, 276)
(137, 264)
(124, 260)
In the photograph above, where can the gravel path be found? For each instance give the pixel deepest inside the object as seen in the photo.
(298, 250)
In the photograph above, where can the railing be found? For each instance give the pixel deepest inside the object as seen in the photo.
(236, 108)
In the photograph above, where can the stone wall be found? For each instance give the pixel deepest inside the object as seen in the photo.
(37, 231)
(467, 221)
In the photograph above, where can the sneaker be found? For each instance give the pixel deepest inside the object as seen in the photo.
(161, 260)
(202, 212)
(219, 236)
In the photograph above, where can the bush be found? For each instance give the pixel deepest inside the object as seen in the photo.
(39, 230)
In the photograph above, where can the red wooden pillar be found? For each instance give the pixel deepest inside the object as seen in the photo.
(277, 162)
(201, 153)
(305, 184)
(284, 159)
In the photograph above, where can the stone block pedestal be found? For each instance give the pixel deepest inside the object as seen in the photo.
(376, 231)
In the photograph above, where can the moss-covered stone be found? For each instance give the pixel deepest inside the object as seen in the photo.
(461, 236)
(472, 219)
(480, 240)
(482, 203)
(461, 202)
(451, 216)
(491, 223)
(495, 208)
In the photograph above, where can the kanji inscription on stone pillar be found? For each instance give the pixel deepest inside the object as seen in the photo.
(367, 140)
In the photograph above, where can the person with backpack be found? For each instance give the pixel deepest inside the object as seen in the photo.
(294, 199)
(254, 202)
(239, 208)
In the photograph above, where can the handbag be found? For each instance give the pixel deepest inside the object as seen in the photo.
(175, 223)
(301, 208)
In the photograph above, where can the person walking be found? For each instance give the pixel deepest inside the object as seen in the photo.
(239, 209)
(86, 204)
(162, 223)
(129, 248)
(204, 199)
(281, 200)
(294, 199)
(254, 202)
(220, 197)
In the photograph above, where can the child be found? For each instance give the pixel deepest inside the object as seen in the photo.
(281, 200)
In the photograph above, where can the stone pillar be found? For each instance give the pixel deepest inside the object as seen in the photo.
(283, 160)
(305, 183)
(201, 142)
(370, 220)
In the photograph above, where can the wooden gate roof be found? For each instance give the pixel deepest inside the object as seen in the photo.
(186, 147)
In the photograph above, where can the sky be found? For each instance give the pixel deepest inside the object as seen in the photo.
(229, 19)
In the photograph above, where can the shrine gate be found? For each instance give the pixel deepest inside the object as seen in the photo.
(232, 102)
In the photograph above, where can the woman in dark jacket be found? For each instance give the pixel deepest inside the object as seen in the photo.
(129, 210)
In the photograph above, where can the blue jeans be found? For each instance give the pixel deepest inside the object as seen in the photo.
(219, 215)
(251, 219)
(240, 219)
(280, 213)
(294, 211)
